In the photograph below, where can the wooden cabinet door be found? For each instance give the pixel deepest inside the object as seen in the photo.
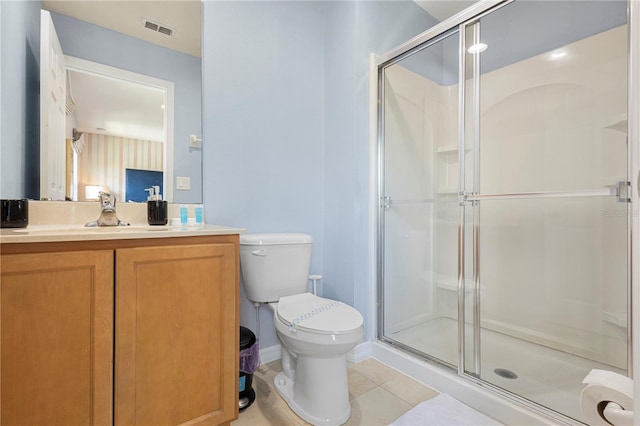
(56, 325)
(176, 335)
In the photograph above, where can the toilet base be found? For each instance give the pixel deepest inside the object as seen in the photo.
(285, 388)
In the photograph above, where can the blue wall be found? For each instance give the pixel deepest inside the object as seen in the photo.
(20, 88)
(264, 123)
(97, 44)
(286, 101)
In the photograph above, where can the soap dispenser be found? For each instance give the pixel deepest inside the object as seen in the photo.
(156, 208)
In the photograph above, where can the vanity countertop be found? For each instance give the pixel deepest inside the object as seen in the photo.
(59, 233)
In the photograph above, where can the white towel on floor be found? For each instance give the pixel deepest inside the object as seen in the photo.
(443, 410)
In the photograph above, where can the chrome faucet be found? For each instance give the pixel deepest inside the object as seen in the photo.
(108, 216)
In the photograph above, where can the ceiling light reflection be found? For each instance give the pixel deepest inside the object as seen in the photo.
(558, 54)
(477, 48)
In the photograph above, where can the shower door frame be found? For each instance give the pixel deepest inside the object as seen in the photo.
(460, 21)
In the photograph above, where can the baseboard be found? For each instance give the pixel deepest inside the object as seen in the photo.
(269, 354)
(360, 353)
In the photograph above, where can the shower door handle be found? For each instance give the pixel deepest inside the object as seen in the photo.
(385, 202)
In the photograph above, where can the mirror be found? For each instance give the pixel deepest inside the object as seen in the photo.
(152, 50)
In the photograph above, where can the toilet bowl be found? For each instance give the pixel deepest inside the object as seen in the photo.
(316, 333)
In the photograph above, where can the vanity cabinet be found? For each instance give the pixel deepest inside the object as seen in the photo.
(56, 325)
(129, 332)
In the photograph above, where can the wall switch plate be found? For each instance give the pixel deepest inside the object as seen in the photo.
(183, 182)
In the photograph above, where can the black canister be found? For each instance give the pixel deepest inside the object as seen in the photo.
(249, 362)
(15, 213)
(157, 212)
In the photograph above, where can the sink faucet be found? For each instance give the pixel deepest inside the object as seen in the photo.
(108, 215)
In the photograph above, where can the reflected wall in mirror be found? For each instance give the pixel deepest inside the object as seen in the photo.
(108, 139)
(117, 36)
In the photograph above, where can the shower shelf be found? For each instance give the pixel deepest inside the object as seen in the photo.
(450, 149)
(452, 286)
(618, 123)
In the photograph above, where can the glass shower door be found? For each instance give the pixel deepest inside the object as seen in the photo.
(419, 207)
(546, 244)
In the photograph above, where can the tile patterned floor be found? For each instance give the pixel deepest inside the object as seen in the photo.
(379, 395)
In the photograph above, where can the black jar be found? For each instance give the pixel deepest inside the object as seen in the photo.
(157, 212)
(15, 213)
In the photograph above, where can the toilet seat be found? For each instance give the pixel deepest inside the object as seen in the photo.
(314, 314)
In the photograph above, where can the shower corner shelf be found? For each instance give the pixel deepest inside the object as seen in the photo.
(618, 123)
(450, 149)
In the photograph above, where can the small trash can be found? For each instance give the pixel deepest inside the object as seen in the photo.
(249, 362)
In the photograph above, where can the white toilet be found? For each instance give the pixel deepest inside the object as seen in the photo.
(316, 333)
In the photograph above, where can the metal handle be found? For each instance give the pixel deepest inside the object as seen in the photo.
(615, 190)
(385, 202)
(260, 252)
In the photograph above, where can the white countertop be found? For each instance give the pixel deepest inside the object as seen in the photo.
(56, 233)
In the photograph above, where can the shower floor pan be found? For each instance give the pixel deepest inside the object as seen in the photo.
(546, 376)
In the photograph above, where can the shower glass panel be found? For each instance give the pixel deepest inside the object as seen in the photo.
(546, 123)
(419, 208)
(504, 237)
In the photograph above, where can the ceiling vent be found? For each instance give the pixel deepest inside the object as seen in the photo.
(156, 27)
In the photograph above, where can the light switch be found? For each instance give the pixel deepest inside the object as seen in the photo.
(183, 183)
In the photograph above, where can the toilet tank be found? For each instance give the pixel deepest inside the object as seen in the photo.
(275, 265)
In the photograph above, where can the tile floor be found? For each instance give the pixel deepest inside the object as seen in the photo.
(379, 395)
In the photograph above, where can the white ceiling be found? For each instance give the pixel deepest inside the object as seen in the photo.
(443, 9)
(126, 17)
(120, 107)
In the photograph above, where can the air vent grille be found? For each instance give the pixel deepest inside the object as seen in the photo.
(166, 31)
(156, 27)
(150, 25)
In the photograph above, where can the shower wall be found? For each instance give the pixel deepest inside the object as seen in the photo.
(533, 252)
(411, 142)
(549, 269)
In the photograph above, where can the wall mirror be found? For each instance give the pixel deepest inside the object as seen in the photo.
(131, 100)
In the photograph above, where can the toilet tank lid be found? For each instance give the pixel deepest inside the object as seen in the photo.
(274, 239)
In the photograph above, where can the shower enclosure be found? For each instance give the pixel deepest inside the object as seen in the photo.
(505, 213)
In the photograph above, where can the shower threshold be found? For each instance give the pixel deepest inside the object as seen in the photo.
(543, 375)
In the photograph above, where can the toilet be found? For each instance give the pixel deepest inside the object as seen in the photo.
(316, 333)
